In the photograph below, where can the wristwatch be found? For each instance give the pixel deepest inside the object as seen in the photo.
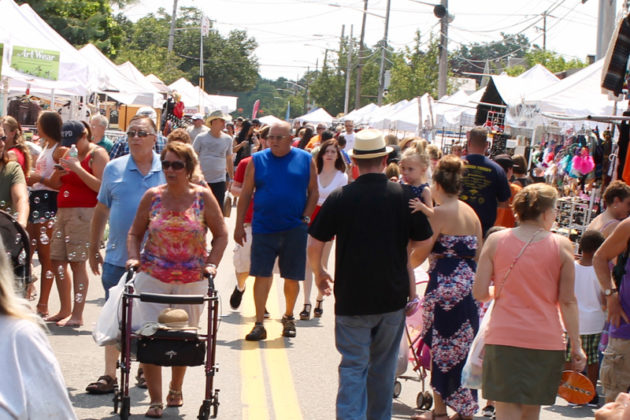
(306, 219)
(610, 292)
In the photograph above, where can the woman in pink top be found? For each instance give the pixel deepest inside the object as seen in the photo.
(533, 273)
(175, 217)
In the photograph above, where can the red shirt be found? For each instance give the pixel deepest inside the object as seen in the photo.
(74, 192)
(239, 176)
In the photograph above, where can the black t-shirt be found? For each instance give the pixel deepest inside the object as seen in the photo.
(484, 187)
(372, 223)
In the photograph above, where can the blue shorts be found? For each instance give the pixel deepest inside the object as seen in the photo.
(111, 276)
(290, 248)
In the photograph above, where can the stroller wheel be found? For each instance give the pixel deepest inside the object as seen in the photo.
(428, 401)
(420, 400)
(397, 389)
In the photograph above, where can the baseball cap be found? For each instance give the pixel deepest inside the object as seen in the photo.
(197, 116)
(71, 132)
(148, 111)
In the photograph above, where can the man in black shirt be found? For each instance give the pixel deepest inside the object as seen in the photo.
(374, 226)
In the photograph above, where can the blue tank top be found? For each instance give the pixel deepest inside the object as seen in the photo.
(280, 193)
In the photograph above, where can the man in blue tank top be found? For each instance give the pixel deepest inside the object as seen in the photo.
(283, 181)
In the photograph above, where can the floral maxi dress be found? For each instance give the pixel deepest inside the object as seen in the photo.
(451, 317)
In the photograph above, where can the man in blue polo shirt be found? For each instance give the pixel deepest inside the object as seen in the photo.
(125, 180)
(485, 185)
(283, 180)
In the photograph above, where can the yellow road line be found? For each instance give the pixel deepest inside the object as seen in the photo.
(285, 401)
(253, 393)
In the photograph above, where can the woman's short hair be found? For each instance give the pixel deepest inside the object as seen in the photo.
(179, 134)
(185, 152)
(319, 158)
(533, 200)
(50, 123)
(449, 174)
(616, 189)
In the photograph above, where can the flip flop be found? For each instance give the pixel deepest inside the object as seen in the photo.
(576, 388)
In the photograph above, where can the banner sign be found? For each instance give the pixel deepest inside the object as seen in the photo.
(36, 62)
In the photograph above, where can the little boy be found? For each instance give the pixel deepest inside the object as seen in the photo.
(590, 304)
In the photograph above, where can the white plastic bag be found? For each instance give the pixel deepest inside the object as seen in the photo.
(473, 368)
(107, 329)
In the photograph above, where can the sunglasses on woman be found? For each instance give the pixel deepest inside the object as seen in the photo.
(176, 165)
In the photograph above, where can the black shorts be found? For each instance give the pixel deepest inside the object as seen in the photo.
(43, 206)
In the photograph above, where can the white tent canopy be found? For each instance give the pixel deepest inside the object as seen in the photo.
(317, 116)
(132, 73)
(22, 27)
(106, 77)
(357, 114)
(157, 83)
(194, 98)
(577, 95)
(269, 120)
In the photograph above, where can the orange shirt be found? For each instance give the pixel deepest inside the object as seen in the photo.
(526, 313)
(313, 142)
(505, 216)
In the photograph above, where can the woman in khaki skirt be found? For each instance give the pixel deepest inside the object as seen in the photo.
(533, 273)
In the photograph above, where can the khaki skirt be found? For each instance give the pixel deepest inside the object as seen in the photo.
(521, 376)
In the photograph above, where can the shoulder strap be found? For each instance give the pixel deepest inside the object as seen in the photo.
(507, 273)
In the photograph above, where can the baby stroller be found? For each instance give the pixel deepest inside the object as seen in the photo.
(169, 348)
(17, 245)
(413, 349)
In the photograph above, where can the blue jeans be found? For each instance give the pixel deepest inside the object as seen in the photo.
(369, 349)
(111, 276)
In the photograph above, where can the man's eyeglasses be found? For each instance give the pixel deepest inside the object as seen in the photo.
(139, 133)
(275, 137)
(176, 165)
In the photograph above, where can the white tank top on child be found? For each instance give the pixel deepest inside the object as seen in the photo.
(45, 166)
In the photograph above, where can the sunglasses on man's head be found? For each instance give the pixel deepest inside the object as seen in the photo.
(176, 165)
(139, 133)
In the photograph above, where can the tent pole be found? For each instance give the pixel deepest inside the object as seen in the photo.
(52, 99)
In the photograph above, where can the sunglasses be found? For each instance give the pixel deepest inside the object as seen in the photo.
(139, 133)
(176, 165)
(3, 138)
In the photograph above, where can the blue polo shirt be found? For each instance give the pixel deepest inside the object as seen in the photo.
(122, 187)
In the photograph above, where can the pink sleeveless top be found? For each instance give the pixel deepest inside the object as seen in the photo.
(175, 250)
(526, 314)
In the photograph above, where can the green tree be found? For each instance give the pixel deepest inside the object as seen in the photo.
(554, 62)
(414, 72)
(81, 22)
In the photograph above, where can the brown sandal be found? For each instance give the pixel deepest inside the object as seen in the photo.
(104, 385)
(434, 416)
(155, 411)
(174, 398)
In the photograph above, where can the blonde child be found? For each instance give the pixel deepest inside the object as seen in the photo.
(414, 165)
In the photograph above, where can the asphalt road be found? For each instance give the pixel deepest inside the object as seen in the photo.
(279, 378)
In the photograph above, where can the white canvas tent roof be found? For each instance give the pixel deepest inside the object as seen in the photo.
(157, 83)
(194, 97)
(22, 27)
(106, 77)
(317, 116)
(132, 73)
(357, 114)
(269, 119)
(577, 95)
(414, 115)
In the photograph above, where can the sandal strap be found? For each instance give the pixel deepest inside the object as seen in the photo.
(156, 405)
(174, 393)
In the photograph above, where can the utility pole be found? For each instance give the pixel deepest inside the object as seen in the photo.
(545, 30)
(346, 100)
(381, 73)
(171, 34)
(357, 96)
(343, 32)
(306, 95)
(443, 65)
(605, 26)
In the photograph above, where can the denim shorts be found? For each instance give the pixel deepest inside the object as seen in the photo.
(110, 276)
(288, 246)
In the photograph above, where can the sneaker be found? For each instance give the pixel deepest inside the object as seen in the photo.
(236, 298)
(488, 411)
(594, 402)
(288, 329)
(258, 333)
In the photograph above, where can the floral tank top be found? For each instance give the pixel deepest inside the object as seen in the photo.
(175, 250)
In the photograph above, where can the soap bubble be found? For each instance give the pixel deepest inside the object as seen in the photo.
(18, 238)
(43, 239)
(78, 298)
(36, 200)
(66, 194)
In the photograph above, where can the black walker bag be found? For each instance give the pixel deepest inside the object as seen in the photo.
(171, 348)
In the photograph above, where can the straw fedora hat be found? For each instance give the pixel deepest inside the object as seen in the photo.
(173, 319)
(369, 144)
(218, 115)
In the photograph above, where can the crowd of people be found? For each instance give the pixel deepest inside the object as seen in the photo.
(386, 204)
